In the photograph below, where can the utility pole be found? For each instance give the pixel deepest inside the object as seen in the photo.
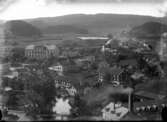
(130, 102)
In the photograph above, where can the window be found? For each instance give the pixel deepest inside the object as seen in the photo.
(107, 109)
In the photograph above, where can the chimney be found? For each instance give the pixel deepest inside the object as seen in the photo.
(130, 102)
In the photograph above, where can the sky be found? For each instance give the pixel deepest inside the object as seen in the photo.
(23, 9)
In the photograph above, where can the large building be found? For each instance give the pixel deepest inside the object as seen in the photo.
(6, 50)
(41, 51)
(114, 75)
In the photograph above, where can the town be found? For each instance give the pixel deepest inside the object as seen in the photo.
(110, 79)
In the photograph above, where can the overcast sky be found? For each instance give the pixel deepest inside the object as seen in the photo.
(21, 9)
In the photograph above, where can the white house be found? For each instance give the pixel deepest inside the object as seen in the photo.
(114, 111)
(58, 68)
(14, 74)
(62, 108)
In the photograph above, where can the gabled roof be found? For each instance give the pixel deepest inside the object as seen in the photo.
(145, 103)
(115, 71)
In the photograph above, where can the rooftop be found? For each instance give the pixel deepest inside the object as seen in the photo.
(128, 62)
(112, 71)
(30, 47)
(150, 95)
(50, 47)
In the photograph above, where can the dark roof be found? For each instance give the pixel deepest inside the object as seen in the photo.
(145, 103)
(150, 95)
(115, 71)
(128, 62)
(112, 71)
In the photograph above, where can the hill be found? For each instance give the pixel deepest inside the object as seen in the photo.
(149, 30)
(70, 26)
(19, 28)
(99, 24)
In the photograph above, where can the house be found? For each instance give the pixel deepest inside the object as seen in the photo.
(119, 75)
(90, 59)
(149, 106)
(71, 68)
(6, 50)
(102, 69)
(85, 62)
(13, 74)
(116, 75)
(137, 75)
(58, 68)
(16, 68)
(66, 83)
(114, 111)
(62, 109)
(41, 51)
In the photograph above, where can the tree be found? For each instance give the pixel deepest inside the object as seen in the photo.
(44, 88)
(110, 35)
(35, 90)
(80, 107)
(16, 55)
